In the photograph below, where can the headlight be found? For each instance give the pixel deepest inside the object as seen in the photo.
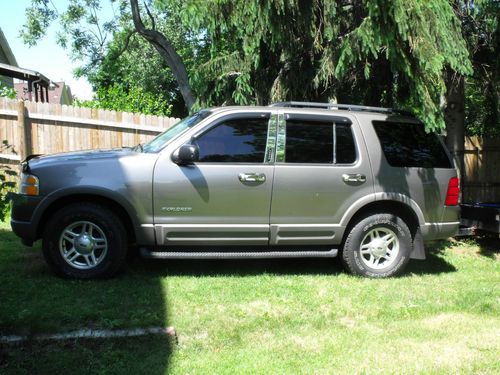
(29, 184)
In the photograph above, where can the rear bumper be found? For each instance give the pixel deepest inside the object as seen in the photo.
(439, 231)
(447, 227)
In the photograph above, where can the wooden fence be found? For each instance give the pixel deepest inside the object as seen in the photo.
(44, 128)
(481, 178)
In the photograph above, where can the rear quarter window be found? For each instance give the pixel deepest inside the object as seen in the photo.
(408, 145)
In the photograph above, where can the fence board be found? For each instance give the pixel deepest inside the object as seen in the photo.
(56, 128)
(481, 178)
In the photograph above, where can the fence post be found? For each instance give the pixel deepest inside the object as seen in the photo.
(24, 126)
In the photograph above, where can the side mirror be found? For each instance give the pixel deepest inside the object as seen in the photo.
(187, 154)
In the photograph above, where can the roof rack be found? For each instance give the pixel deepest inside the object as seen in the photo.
(348, 107)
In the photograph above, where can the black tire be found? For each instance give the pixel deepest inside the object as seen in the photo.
(369, 239)
(106, 233)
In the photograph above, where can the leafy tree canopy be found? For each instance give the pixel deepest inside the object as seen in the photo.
(480, 27)
(114, 58)
(258, 51)
(315, 50)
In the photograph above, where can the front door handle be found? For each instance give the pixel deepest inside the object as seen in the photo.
(252, 177)
(358, 177)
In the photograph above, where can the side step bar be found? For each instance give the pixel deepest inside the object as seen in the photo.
(237, 254)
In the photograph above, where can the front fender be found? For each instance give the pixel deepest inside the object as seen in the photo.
(80, 192)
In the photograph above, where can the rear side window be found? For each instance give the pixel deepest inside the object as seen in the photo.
(309, 142)
(408, 145)
(319, 142)
(346, 150)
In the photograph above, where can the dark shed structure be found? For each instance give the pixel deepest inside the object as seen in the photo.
(38, 84)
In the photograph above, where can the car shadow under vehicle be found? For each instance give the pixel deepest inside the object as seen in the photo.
(434, 264)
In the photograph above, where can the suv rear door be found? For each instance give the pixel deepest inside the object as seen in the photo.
(321, 170)
(225, 197)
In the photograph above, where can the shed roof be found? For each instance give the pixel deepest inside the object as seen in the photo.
(4, 45)
(21, 73)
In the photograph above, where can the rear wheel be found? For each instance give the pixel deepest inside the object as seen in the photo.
(377, 246)
(84, 241)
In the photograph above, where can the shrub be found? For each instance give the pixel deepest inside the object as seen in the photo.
(7, 183)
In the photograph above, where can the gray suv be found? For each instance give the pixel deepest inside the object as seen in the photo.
(289, 180)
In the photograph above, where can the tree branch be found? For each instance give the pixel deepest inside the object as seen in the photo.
(153, 24)
(164, 47)
(122, 50)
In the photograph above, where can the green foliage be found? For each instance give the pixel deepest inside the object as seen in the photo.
(134, 99)
(114, 58)
(372, 52)
(419, 40)
(39, 16)
(479, 111)
(480, 27)
(7, 92)
(81, 29)
(259, 51)
(132, 62)
(7, 183)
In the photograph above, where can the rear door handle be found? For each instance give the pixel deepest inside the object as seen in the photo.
(252, 177)
(358, 177)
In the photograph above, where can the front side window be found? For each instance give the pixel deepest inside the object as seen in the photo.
(234, 141)
(318, 142)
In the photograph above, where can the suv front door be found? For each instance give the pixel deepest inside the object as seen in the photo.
(224, 198)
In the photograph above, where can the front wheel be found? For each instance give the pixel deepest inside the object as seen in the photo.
(377, 246)
(84, 241)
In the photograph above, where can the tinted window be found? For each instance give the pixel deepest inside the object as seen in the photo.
(309, 142)
(160, 141)
(312, 142)
(237, 141)
(408, 145)
(346, 150)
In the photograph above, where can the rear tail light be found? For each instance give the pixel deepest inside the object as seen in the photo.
(453, 193)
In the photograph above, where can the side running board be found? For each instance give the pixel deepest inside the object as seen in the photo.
(238, 254)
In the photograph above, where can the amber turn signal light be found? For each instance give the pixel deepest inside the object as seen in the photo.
(29, 185)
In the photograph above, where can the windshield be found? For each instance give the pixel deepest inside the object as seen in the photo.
(161, 141)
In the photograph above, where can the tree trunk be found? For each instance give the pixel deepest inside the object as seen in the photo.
(167, 52)
(455, 118)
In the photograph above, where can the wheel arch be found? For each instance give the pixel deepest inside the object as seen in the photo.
(400, 209)
(397, 204)
(101, 198)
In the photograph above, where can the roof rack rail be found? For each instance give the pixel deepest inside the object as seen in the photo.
(348, 107)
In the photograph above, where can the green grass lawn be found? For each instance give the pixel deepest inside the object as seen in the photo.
(293, 316)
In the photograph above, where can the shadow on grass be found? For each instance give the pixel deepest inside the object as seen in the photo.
(489, 245)
(237, 267)
(34, 301)
(434, 264)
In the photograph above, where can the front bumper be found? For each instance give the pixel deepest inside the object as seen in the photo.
(22, 223)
